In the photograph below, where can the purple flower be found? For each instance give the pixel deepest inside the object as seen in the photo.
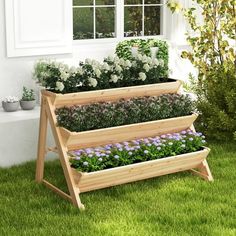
(146, 151)
(116, 157)
(149, 144)
(85, 163)
(136, 147)
(77, 158)
(163, 136)
(127, 148)
(183, 132)
(98, 154)
(108, 152)
(126, 143)
(90, 155)
(118, 145)
(120, 149)
(135, 142)
(103, 154)
(190, 139)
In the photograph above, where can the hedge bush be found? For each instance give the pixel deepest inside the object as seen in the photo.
(123, 112)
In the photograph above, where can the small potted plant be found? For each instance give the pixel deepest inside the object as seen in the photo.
(28, 101)
(10, 104)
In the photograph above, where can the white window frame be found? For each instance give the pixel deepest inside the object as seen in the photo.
(119, 26)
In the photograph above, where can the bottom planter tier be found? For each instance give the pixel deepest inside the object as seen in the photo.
(144, 170)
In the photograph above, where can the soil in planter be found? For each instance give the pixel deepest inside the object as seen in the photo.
(136, 151)
(124, 112)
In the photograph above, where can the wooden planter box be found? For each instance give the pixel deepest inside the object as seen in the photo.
(66, 141)
(144, 170)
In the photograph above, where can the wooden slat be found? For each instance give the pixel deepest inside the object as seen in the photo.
(57, 190)
(99, 137)
(82, 98)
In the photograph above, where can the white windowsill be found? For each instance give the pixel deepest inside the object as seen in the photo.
(20, 115)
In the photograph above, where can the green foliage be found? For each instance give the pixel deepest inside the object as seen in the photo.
(123, 112)
(213, 54)
(28, 94)
(120, 154)
(113, 72)
(123, 50)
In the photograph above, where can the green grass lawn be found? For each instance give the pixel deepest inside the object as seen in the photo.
(178, 204)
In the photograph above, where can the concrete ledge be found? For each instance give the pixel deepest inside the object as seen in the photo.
(19, 137)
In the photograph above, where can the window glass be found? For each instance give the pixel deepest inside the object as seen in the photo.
(152, 20)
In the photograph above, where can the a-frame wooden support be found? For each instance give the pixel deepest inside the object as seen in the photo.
(66, 140)
(48, 115)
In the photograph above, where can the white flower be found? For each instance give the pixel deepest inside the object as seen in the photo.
(134, 63)
(118, 68)
(121, 61)
(140, 57)
(144, 59)
(149, 60)
(59, 86)
(128, 63)
(97, 72)
(106, 66)
(146, 67)
(92, 82)
(80, 71)
(64, 75)
(142, 76)
(161, 62)
(73, 70)
(155, 62)
(114, 78)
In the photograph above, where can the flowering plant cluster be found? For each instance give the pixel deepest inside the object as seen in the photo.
(11, 99)
(135, 151)
(123, 112)
(113, 72)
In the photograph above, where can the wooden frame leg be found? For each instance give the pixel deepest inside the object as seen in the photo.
(41, 143)
(203, 171)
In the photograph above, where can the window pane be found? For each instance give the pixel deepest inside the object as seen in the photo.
(83, 23)
(105, 22)
(82, 2)
(105, 2)
(130, 2)
(152, 19)
(133, 21)
(152, 1)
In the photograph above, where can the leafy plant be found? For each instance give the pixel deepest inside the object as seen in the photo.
(91, 75)
(120, 154)
(212, 52)
(123, 112)
(28, 94)
(123, 50)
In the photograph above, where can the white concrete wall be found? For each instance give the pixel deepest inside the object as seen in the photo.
(18, 139)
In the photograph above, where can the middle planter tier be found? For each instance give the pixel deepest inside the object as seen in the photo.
(93, 138)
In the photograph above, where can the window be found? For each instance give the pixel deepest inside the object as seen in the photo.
(93, 19)
(142, 18)
(96, 19)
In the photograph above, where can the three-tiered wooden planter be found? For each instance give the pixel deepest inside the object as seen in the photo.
(66, 141)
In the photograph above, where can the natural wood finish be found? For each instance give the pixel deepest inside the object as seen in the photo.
(41, 142)
(203, 171)
(83, 98)
(84, 139)
(125, 174)
(57, 190)
(65, 140)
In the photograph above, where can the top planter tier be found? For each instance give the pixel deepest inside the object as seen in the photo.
(82, 98)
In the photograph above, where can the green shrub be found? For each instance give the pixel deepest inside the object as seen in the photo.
(123, 50)
(123, 112)
(217, 103)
